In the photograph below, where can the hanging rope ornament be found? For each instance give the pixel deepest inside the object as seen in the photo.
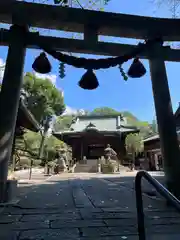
(42, 64)
(136, 69)
(89, 80)
(97, 64)
(62, 70)
(123, 74)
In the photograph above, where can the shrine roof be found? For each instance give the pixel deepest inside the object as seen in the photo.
(156, 137)
(177, 112)
(151, 138)
(100, 123)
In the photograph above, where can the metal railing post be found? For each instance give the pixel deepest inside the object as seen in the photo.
(139, 207)
(139, 200)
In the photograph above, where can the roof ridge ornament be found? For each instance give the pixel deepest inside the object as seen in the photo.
(91, 125)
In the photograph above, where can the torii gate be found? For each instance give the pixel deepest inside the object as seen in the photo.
(92, 24)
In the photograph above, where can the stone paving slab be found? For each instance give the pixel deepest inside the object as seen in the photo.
(9, 235)
(86, 209)
(95, 231)
(50, 217)
(25, 226)
(121, 222)
(9, 218)
(50, 234)
(106, 215)
(37, 211)
(77, 224)
(124, 229)
(135, 237)
(80, 198)
(120, 237)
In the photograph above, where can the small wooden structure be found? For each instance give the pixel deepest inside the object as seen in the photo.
(89, 135)
(25, 118)
(152, 147)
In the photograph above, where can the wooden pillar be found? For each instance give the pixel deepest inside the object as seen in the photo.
(13, 159)
(82, 152)
(165, 119)
(9, 99)
(146, 162)
(122, 148)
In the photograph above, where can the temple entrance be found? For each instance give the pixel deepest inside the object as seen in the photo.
(95, 151)
(93, 135)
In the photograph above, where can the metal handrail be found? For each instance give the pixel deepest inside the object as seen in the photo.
(139, 201)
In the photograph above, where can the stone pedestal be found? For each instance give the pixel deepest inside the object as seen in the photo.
(99, 168)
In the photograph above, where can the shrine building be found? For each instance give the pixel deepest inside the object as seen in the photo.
(89, 135)
(152, 146)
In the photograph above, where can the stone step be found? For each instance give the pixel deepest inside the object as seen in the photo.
(90, 165)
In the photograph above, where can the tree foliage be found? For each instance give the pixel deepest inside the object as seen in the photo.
(33, 141)
(173, 7)
(43, 98)
(154, 126)
(134, 143)
(145, 127)
(104, 111)
(130, 117)
(62, 123)
(90, 4)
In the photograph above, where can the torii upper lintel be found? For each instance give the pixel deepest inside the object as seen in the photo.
(75, 20)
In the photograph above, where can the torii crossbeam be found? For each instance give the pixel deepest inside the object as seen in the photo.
(76, 20)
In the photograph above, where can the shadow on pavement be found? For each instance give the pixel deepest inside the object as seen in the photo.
(84, 207)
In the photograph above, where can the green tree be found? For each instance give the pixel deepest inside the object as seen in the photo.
(104, 111)
(43, 98)
(51, 144)
(134, 144)
(131, 119)
(62, 123)
(154, 127)
(90, 4)
(33, 141)
(173, 6)
(143, 126)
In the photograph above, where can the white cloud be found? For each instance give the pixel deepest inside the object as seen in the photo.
(51, 77)
(69, 111)
(73, 111)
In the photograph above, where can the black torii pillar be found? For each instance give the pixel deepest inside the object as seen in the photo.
(165, 119)
(9, 99)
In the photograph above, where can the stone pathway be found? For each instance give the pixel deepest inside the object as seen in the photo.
(86, 207)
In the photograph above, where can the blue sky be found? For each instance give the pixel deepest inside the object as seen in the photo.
(135, 95)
